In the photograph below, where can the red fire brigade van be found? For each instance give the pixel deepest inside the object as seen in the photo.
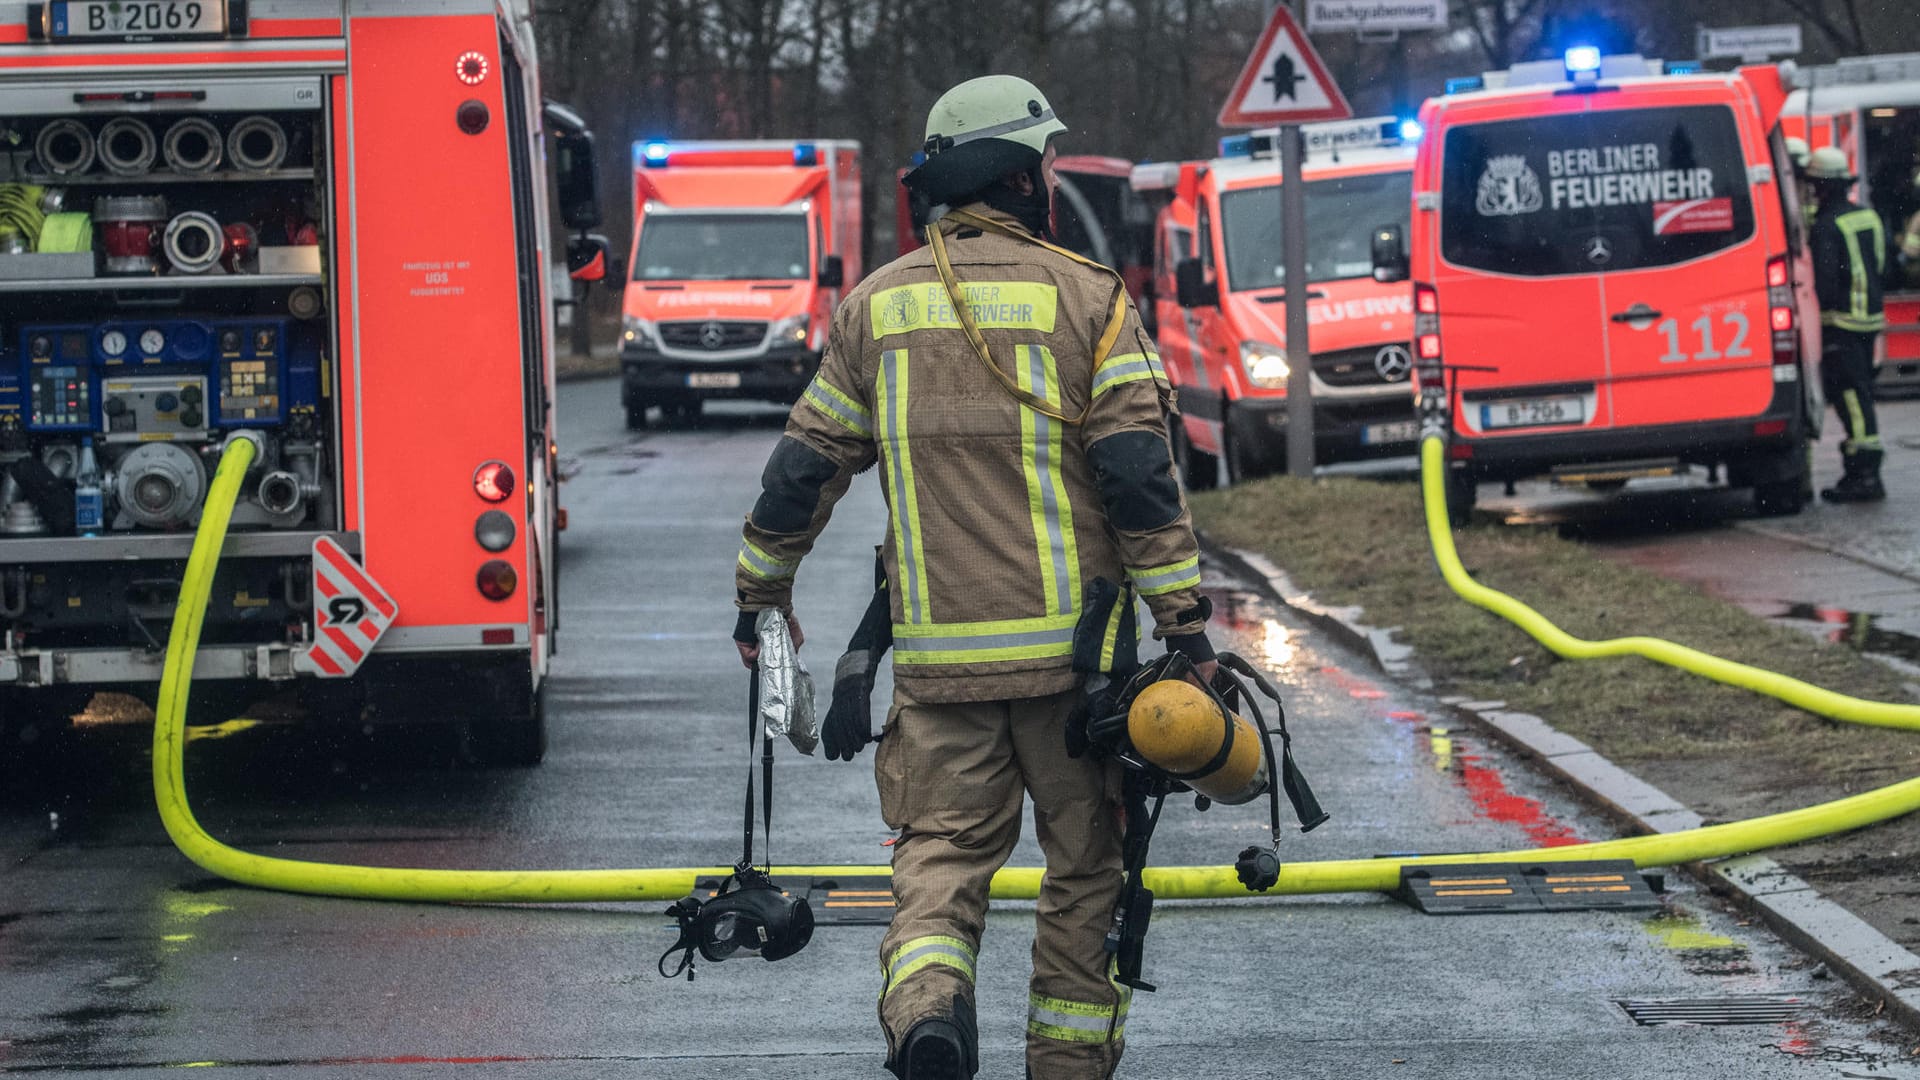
(1606, 281)
(1870, 107)
(741, 251)
(1220, 297)
(320, 226)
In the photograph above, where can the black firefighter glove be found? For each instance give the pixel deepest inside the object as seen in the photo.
(848, 727)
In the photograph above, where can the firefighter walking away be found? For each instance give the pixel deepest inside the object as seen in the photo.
(1849, 260)
(1018, 413)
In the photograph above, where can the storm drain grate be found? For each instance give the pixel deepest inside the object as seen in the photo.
(1713, 1012)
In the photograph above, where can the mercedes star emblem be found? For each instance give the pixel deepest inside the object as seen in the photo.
(713, 335)
(1598, 250)
(1393, 363)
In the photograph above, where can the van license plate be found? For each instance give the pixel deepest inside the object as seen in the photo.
(1533, 412)
(151, 19)
(1398, 432)
(713, 380)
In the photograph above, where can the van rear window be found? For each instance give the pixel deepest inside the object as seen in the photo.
(1578, 193)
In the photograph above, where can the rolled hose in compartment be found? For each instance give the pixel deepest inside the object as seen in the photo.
(1012, 883)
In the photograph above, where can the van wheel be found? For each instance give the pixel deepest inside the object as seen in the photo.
(1462, 492)
(637, 412)
(1788, 486)
(511, 736)
(1243, 462)
(1199, 470)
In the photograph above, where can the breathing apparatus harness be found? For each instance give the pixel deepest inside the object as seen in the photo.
(1103, 731)
(748, 913)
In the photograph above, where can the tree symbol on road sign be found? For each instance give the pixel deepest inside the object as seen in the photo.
(346, 610)
(1285, 80)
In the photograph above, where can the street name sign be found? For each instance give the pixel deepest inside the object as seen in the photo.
(1754, 43)
(1372, 16)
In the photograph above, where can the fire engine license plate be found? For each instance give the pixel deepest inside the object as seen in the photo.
(1381, 434)
(1533, 412)
(713, 380)
(133, 18)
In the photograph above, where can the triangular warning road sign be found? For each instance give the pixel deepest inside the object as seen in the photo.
(1284, 81)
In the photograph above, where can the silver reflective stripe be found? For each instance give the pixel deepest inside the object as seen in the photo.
(1114, 373)
(983, 642)
(764, 565)
(1046, 475)
(823, 396)
(1056, 1018)
(1161, 577)
(893, 424)
(995, 130)
(905, 960)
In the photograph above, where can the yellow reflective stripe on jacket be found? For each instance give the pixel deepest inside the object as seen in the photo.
(1155, 580)
(983, 642)
(1075, 1021)
(1110, 639)
(762, 565)
(1857, 317)
(919, 953)
(1126, 368)
(890, 393)
(839, 407)
(1040, 450)
(1003, 305)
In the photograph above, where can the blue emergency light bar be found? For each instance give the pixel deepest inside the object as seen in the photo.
(1465, 84)
(653, 155)
(1684, 67)
(1410, 131)
(806, 154)
(1236, 146)
(1582, 58)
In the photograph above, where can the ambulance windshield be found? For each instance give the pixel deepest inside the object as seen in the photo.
(722, 247)
(1581, 193)
(1341, 217)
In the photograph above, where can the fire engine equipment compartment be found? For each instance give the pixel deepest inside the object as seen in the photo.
(1610, 280)
(741, 252)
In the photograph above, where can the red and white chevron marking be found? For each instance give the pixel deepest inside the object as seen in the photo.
(350, 612)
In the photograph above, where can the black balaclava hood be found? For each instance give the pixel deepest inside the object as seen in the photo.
(1035, 211)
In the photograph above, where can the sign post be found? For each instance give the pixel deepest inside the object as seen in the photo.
(1285, 84)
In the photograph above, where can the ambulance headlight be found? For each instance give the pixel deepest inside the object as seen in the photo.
(638, 333)
(790, 331)
(1582, 60)
(1265, 365)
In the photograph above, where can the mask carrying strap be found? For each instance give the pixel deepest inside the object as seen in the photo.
(766, 778)
(1116, 321)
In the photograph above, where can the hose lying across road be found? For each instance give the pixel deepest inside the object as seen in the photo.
(1013, 883)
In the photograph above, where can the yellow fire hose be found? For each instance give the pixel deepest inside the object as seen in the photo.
(1013, 883)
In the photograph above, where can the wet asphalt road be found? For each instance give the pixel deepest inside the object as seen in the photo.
(117, 957)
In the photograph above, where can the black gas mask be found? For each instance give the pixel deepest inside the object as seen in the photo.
(750, 914)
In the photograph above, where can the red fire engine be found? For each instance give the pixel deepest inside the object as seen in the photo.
(321, 227)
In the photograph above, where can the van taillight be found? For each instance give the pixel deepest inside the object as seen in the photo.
(1426, 323)
(1786, 341)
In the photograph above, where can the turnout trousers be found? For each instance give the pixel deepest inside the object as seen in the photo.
(952, 779)
(1846, 376)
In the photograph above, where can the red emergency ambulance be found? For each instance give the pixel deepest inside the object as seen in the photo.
(741, 252)
(1608, 280)
(320, 226)
(1220, 294)
(1869, 107)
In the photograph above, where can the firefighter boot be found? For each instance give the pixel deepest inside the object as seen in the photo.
(1862, 480)
(940, 1048)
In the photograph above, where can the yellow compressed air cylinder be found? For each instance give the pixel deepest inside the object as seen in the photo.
(1176, 726)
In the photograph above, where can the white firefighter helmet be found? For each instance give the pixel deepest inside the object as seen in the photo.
(1797, 151)
(980, 131)
(1829, 163)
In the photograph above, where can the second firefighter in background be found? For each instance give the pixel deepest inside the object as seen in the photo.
(1026, 470)
(1849, 247)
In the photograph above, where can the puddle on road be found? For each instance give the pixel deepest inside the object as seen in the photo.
(1857, 630)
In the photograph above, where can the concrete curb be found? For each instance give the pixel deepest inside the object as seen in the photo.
(1878, 967)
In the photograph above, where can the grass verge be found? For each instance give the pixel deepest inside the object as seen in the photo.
(1363, 542)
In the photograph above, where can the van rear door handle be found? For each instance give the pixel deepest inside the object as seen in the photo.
(1635, 314)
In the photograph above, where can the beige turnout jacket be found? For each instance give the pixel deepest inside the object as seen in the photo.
(999, 522)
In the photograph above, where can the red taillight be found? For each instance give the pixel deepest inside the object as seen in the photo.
(1429, 346)
(1460, 451)
(471, 68)
(493, 481)
(1426, 322)
(1765, 428)
(1426, 300)
(1781, 318)
(1776, 272)
(497, 579)
(500, 636)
